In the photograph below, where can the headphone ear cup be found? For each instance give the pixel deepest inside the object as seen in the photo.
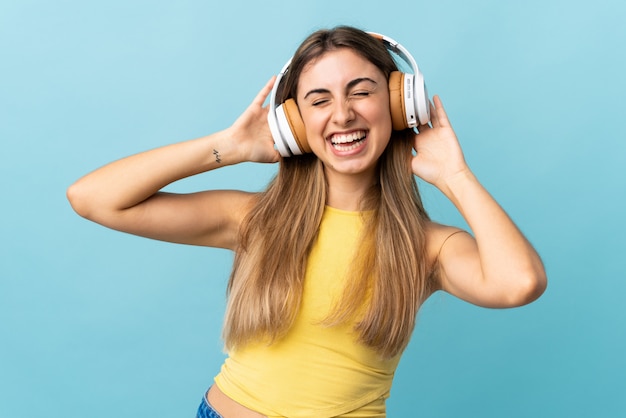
(297, 142)
(422, 102)
(396, 101)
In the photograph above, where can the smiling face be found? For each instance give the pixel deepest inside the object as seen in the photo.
(344, 102)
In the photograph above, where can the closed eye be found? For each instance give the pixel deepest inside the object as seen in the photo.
(319, 102)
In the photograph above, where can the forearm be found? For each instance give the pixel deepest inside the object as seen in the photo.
(125, 183)
(508, 262)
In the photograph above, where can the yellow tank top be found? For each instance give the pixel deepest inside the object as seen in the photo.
(314, 371)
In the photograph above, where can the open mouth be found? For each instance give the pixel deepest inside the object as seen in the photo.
(347, 142)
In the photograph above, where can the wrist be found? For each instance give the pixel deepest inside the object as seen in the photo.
(220, 149)
(453, 186)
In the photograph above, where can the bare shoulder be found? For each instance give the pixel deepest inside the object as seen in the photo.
(448, 246)
(436, 235)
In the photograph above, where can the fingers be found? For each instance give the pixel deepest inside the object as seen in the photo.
(433, 113)
(439, 117)
(265, 91)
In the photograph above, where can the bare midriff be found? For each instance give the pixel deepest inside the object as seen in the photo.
(227, 407)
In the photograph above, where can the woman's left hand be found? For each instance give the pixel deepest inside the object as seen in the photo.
(439, 157)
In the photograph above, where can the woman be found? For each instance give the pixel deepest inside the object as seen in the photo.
(334, 259)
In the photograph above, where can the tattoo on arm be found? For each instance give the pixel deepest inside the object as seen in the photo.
(218, 157)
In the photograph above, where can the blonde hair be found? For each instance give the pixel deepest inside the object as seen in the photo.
(391, 272)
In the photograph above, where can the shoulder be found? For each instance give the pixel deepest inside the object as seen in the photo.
(436, 236)
(439, 236)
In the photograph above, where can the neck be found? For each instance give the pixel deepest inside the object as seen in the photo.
(345, 191)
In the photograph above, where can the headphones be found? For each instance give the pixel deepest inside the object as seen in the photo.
(408, 100)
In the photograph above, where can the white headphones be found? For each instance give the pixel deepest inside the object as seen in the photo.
(408, 100)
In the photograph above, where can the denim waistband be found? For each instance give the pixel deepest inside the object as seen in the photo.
(205, 410)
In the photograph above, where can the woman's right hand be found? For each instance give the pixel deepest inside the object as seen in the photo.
(252, 133)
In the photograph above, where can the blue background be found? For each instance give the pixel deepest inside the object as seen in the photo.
(99, 323)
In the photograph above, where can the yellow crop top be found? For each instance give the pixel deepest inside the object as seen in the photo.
(314, 371)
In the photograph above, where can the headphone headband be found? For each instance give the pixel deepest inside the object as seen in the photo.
(398, 49)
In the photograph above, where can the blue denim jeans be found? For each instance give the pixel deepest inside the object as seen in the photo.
(205, 410)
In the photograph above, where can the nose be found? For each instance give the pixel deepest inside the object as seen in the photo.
(343, 113)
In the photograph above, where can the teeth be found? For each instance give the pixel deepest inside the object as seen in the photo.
(351, 137)
(351, 146)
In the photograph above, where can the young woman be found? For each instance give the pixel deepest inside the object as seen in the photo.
(334, 258)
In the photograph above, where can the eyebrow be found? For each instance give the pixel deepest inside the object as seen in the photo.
(350, 84)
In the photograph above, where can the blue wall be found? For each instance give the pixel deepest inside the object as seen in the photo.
(99, 323)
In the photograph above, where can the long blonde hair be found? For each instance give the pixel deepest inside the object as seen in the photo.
(391, 272)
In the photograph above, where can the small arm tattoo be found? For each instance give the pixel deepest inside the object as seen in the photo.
(218, 157)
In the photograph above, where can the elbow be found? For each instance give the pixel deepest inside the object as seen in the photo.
(530, 286)
(78, 200)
